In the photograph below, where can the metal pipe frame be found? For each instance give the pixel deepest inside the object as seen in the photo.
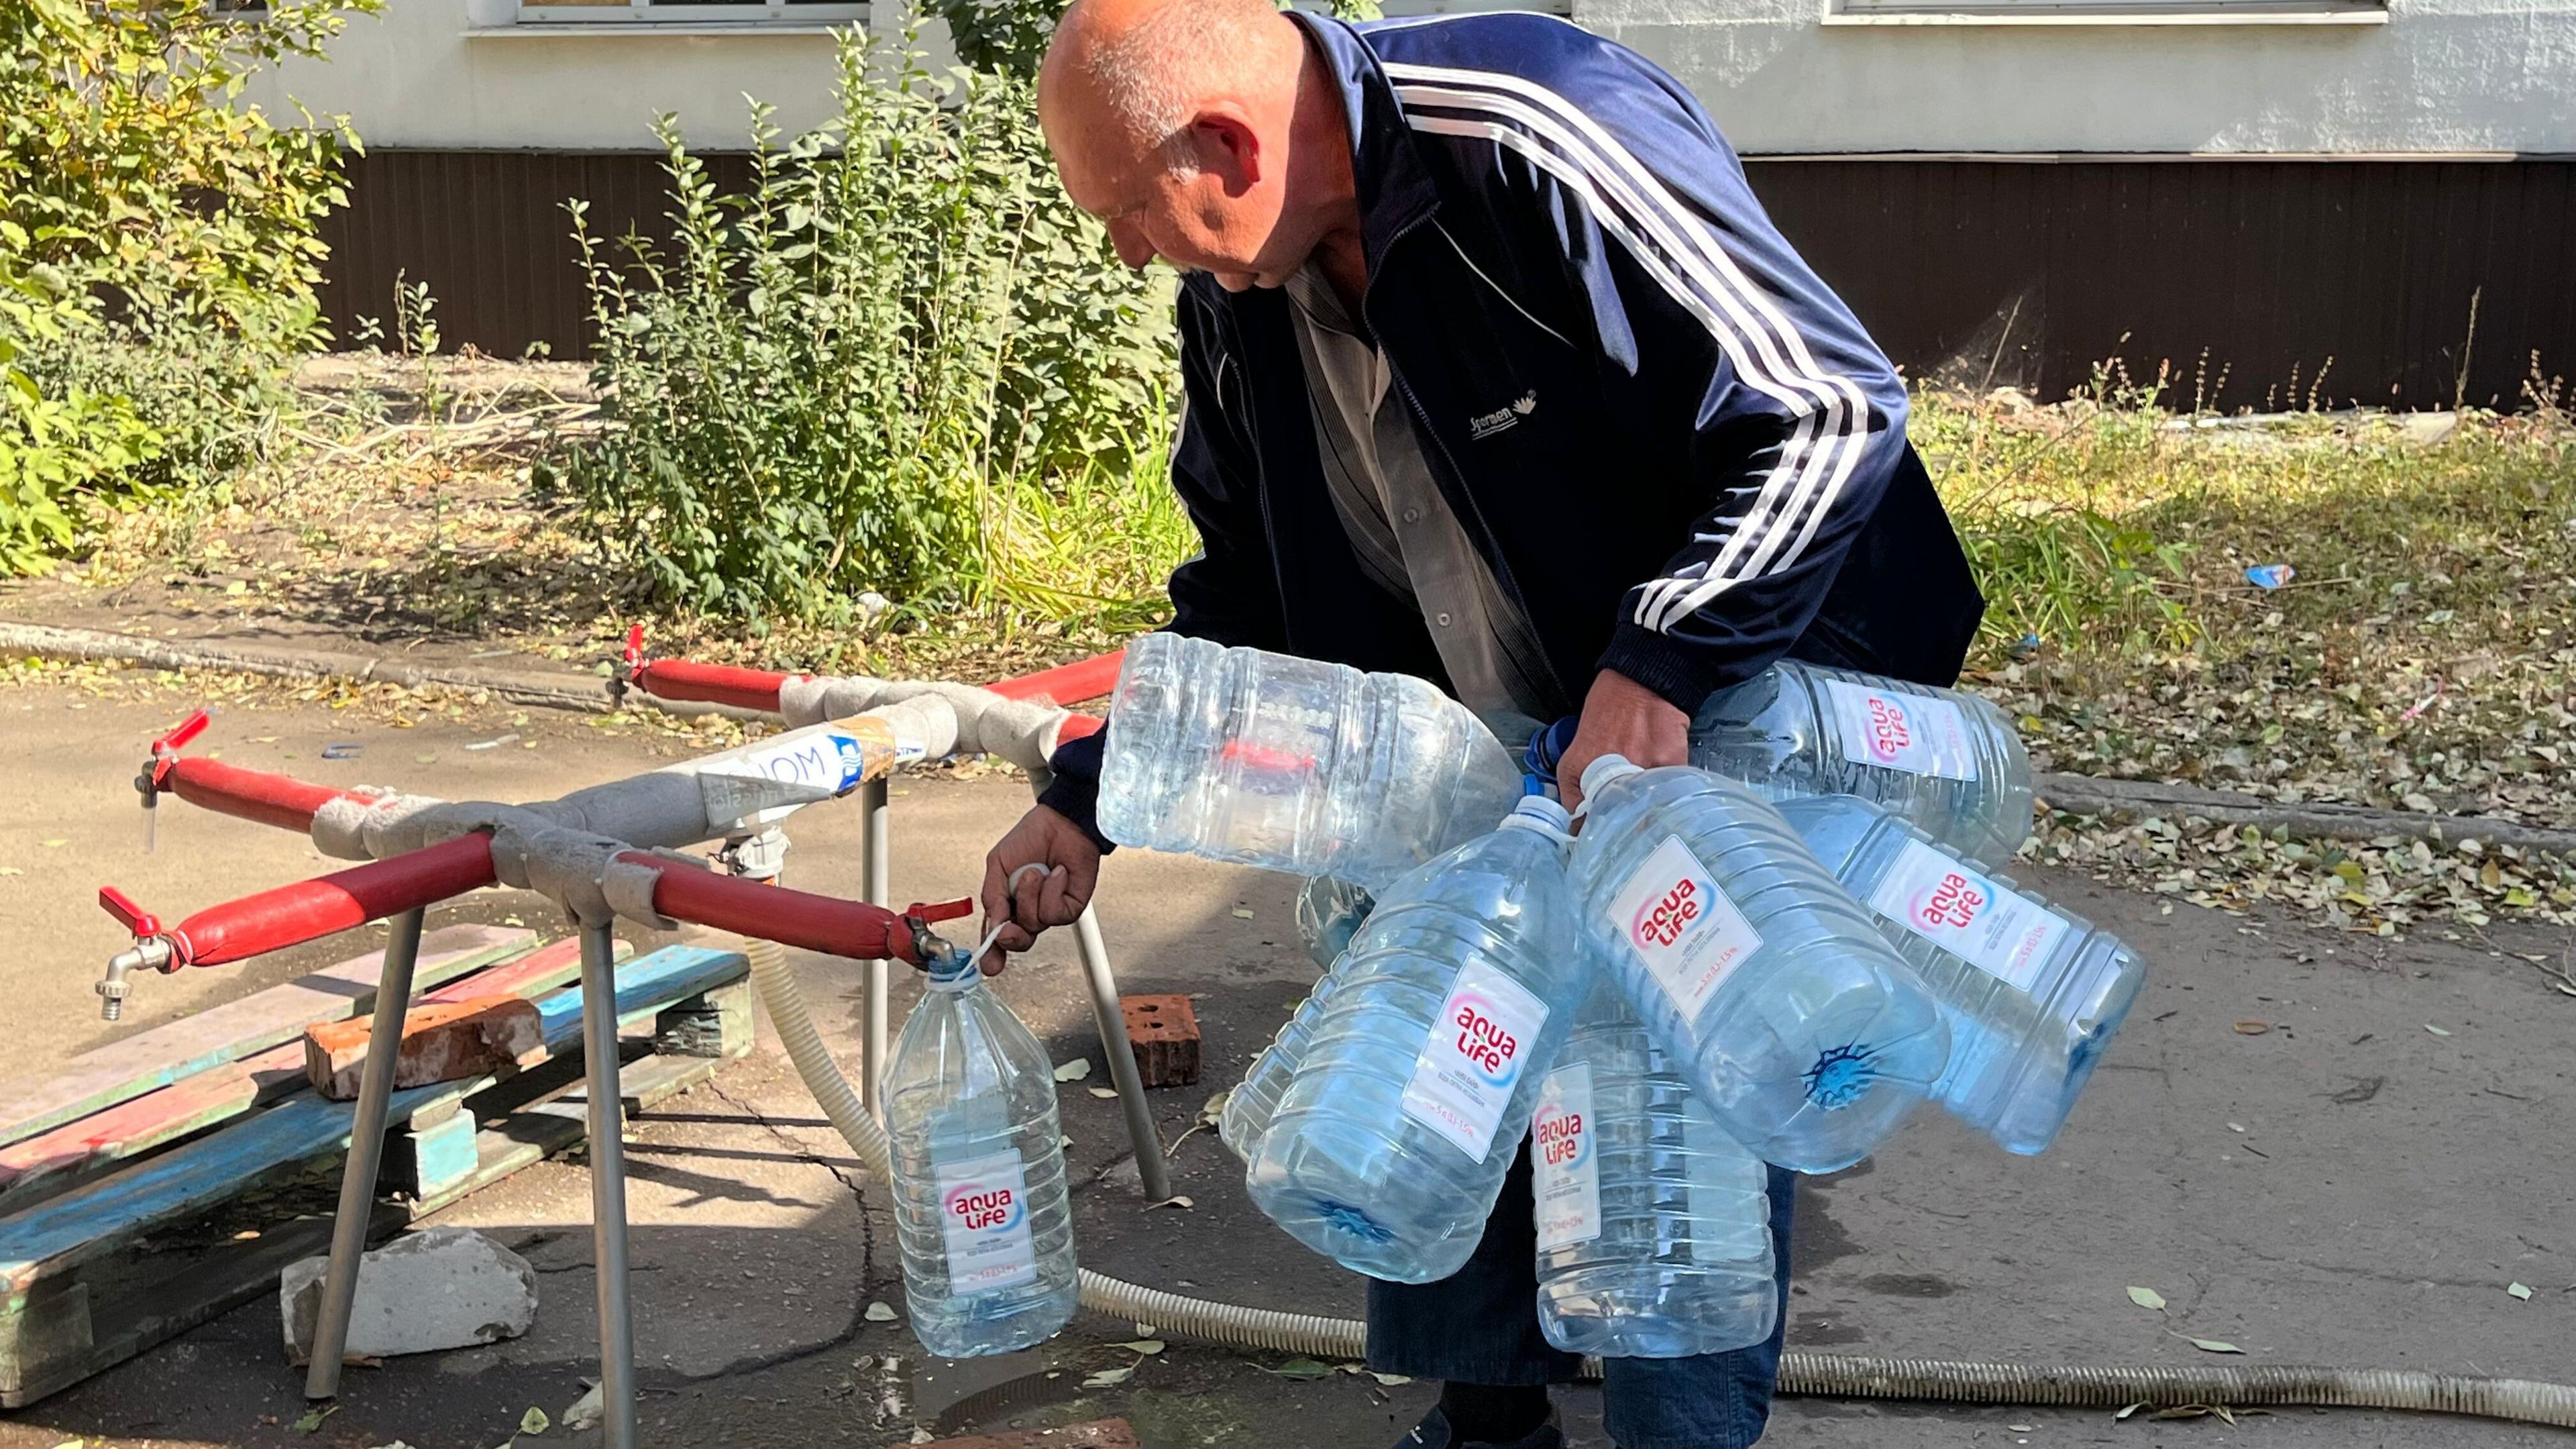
(366, 1156)
(876, 874)
(608, 1186)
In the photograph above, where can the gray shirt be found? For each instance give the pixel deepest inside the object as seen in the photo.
(1401, 524)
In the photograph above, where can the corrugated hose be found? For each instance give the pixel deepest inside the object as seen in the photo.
(1801, 1373)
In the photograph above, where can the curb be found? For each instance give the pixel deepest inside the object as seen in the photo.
(2085, 795)
(2080, 794)
(548, 691)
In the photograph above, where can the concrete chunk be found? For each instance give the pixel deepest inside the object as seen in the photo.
(433, 1289)
(441, 1042)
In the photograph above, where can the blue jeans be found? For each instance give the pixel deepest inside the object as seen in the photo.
(1480, 1326)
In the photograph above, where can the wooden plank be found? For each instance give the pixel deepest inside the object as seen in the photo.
(53, 1161)
(53, 1237)
(134, 1317)
(147, 1060)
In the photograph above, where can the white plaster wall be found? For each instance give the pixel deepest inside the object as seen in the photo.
(411, 77)
(2441, 75)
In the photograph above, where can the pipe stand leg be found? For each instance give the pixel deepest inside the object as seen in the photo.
(366, 1154)
(876, 870)
(608, 1187)
(1150, 1168)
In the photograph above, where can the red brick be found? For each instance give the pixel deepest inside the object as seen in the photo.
(1098, 1434)
(1164, 1033)
(441, 1042)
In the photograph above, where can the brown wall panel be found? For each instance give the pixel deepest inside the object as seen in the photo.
(2023, 272)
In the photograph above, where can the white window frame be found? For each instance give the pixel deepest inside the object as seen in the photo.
(2105, 12)
(767, 15)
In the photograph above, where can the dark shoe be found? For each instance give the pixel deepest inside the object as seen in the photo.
(1433, 1433)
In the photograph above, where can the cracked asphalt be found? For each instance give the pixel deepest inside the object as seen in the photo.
(2322, 1148)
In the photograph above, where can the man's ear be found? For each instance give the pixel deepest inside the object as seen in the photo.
(1229, 147)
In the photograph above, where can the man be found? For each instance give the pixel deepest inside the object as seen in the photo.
(1498, 375)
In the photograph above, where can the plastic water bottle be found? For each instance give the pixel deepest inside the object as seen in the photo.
(1803, 1031)
(1269, 760)
(1391, 1144)
(1654, 1229)
(2032, 994)
(1255, 1100)
(981, 1214)
(1329, 912)
(1946, 760)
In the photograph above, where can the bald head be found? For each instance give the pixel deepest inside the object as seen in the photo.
(1202, 131)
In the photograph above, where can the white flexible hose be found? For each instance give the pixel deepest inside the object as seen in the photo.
(1802, 1373)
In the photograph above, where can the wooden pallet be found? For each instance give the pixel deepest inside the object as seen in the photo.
(99, 1273)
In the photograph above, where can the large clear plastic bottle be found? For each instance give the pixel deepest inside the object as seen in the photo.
(1292, 764)
(1945, 759)
(981, 1215)
(1255, 1100)
(1329, 913)
(1654, 1229)
(1805, 1033)
(1391, 1143)
(2032, 994)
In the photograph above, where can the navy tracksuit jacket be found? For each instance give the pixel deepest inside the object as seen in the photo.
(1675, 448)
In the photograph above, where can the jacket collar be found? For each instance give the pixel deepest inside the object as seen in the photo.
(1395, 188)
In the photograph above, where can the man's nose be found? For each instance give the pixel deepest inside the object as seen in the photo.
(1133, 249)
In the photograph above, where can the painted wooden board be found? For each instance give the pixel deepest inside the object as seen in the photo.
(50, 1162)
(126, 1069)
(57, 1235)
(133, 1317)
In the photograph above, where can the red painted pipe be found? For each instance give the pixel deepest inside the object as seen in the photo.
(280, 800)
(710, 683)
(308, 910)
(291, 915)
(1067, 683)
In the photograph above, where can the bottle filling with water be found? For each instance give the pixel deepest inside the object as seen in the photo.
(2032, 993)
(1803, 1031)
(1654, 1229)
(1945, 759)
(1390, 1146)
(1291, 764)
(981, 1213)
(1255, 1100)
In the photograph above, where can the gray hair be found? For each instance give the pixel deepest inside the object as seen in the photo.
(1155, 75)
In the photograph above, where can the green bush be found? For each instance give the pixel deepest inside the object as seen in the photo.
(158, 260)
(854, 374)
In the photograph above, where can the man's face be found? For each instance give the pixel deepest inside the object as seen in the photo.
(1222, 219)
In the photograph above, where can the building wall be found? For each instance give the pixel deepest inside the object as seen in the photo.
(2440, 76)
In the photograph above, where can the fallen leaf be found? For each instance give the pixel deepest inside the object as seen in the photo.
(2435, 1030)
(1108, 1377)
(1213, 1112)
(1179, 1201)
(2147, 1298)
(586, 1411)
(1146, 1330)
(1142, 1345)
(2519, 1290)
(1390, 1380)
(55, 844)
(1302, 1369)
(312, 1418)
(1073, 1071)
(2022, 1428)
(1103, 1092)
(2252, 1028)
(534, 1421)
(11, 870)
(2215, 1345)
(2127, 1409)
(1243, 913)
(879, 1312)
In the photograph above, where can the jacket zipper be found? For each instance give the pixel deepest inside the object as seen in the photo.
(1457, 486)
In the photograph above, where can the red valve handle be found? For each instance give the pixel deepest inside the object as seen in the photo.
(634, 645)
(944, 911)
(165, 750)
(132, 917)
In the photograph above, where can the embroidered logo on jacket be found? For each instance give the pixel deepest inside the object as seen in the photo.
(1486, 425)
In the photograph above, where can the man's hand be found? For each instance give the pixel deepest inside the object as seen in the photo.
(1625, 718)
(1037, 901)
